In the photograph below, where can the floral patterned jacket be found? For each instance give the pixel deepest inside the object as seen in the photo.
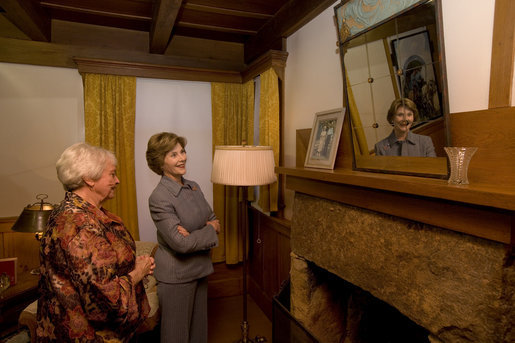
(86, 294)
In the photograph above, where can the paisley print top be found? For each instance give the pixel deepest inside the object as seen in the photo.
(86, 294)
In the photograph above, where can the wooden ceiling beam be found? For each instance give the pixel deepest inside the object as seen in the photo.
(216, 28)
(212, 35)
(226, 11)
(165, 14)
(252, 6)
(29, 18)
(135, 10)
(292, 16)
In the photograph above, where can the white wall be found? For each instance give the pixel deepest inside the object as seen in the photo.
(41, 108)
(313, 78)
(313, 81)
(183, 108)
(468, 28)
(41, 113)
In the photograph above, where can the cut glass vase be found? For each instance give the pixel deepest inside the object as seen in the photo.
(459, 159)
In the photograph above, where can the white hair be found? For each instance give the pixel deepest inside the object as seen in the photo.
(82, 161)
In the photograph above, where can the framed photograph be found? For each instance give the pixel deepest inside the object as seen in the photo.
(324, 139)
(413, 63)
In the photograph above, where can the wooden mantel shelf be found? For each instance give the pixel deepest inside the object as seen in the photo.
(502, 197)
(486, 211)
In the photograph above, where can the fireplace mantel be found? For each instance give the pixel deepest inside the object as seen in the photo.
(480, 210)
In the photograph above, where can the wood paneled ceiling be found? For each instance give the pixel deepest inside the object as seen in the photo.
(215, 34)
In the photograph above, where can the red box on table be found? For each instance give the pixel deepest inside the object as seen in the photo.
(8, 266)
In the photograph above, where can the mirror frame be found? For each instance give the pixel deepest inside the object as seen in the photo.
(416, 166)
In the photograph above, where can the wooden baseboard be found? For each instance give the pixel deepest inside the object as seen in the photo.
(226, 281)
(262, 299)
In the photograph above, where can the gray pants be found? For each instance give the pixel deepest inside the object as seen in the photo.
(183, 311)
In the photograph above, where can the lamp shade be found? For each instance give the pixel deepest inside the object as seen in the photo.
(243, 165)
(34, 217)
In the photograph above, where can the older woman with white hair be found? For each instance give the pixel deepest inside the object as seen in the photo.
(90, 285)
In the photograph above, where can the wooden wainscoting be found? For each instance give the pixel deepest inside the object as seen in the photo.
(226, 281)
(24, 246)
(269, 260)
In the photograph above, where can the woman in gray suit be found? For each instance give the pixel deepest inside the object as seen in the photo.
(402, 142)
(187, 229)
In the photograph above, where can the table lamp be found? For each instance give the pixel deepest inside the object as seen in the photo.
(34, 217)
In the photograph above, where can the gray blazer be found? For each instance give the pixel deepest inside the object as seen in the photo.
(182, 259)
(417, 146)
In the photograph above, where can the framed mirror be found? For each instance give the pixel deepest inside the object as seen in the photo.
(393, 51)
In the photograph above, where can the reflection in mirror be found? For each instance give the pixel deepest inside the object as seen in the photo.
(398, 58)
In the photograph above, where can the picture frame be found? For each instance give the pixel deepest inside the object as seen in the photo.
(324, 139)
(416, 80)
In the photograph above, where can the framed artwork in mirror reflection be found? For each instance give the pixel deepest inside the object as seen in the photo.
(324, 139)
(413, 63)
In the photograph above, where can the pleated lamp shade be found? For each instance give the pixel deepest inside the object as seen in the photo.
(243, 165)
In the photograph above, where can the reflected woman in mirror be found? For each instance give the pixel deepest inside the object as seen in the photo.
(402, 142)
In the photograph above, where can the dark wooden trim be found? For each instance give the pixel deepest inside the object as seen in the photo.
(138, 10)
(135, 64)
(269, 262)
(29, 18)
(491, 131)
(87, 65)
(443, 71)
(6, 223)
(61, 55)
(503, 53)
(261, 298)
(496, 196)
(226, 11)
(165, 14)
(271, 59)
(292, 16)
(226, 281)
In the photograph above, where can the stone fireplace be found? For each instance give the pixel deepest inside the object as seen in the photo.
(455, 286)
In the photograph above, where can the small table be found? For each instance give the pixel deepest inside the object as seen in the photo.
(14, 299)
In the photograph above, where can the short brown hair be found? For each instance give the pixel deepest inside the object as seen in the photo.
(402, 102)
(157, 147)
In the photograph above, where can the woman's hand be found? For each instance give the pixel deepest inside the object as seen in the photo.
(144, 266)
(183, 231)
(215, 224)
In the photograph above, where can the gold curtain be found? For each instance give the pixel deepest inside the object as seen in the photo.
(109, 118)
(359, 138)
(233, 122)
(269, 132)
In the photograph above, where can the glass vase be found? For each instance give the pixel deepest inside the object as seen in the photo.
(459, 159)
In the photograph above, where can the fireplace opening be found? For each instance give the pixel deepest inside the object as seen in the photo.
(334, 310)
(285, 328)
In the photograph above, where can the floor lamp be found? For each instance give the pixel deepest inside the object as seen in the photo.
(243, 166)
